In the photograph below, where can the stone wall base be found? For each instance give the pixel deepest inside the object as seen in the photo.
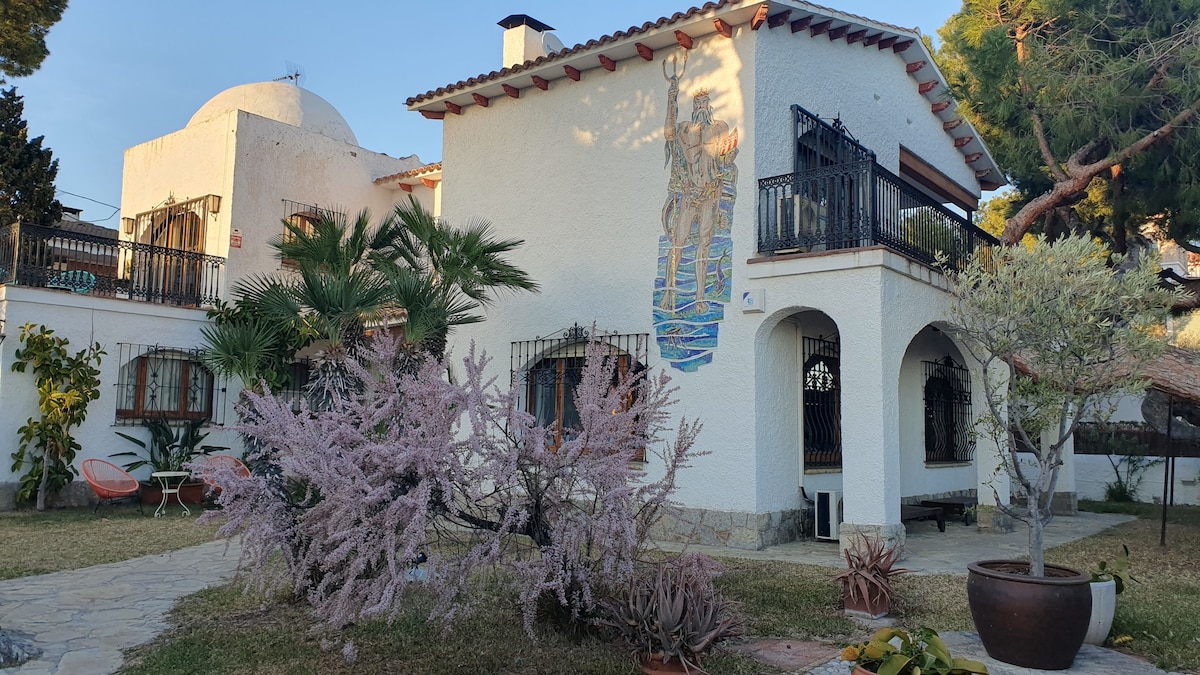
(74, 494)
(752, 531)
(991, 519)
(892, 534)
(1064, 504)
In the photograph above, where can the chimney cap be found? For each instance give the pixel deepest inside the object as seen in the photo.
(514, 20)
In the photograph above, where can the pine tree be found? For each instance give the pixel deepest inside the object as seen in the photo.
(1090, 106)
(23, 28)
(27, 170)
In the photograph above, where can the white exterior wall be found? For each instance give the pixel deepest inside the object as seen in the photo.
(83, 320)
(1092, 472)
(869, 89)
(253, 164)
(578, 173)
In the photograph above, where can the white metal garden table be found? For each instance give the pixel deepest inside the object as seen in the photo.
(165, 479)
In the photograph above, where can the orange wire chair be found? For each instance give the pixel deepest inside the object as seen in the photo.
(208, 472)
(110, 482)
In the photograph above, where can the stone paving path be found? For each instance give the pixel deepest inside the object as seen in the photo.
(82, 619)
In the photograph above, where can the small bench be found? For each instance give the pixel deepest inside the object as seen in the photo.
(77, 281)
(908, 513)
(956, 505)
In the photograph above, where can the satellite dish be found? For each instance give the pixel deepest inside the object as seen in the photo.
(551, 44)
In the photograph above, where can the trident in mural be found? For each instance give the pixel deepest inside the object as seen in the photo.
(700, 155)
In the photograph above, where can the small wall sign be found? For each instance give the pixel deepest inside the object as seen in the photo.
(235, 238)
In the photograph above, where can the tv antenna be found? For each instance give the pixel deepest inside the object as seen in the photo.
(295, 74)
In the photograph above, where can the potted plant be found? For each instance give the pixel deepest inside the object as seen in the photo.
(895, 651)
(1058, 330)
(866, 583)
(169, 449)
(671, 616)
(1107, 582)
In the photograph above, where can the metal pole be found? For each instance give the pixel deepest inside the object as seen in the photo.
(1162, 537)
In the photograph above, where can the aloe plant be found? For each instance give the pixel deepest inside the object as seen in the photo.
(870, 566)
(673, 611)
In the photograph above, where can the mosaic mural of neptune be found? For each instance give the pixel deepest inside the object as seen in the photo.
(695, 252)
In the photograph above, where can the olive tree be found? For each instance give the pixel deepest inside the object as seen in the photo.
(1059, 329)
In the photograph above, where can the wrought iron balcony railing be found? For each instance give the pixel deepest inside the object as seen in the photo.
(48, 257)
(859, 204)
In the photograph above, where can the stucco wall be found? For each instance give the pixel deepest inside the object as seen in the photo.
(82, 320)
(867, 88)
(1093, 472)
(253, 164)
(578, 172)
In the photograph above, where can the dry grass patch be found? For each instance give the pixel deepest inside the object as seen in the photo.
(67, 539)
(221, 630)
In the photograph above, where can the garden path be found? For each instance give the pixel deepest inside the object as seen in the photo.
(82, 619)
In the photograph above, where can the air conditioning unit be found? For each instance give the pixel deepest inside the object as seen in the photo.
(829, 514)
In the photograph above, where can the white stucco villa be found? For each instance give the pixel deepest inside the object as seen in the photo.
(749, 194)
(200, 207)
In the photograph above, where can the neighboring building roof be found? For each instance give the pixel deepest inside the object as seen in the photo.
(425, 170)
(71, 223)
(794, 15)
(281, 102)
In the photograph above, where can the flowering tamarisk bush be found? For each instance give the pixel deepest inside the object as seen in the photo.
(415, 464)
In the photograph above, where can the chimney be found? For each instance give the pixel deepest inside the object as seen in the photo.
(522, 39)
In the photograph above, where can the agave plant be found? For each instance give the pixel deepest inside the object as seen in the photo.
(867, 581)
(673, 612)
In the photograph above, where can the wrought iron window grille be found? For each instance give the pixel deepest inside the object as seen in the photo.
(157, 382)
(546, 370)
(948, 419)
(822, 383)
(301, 216)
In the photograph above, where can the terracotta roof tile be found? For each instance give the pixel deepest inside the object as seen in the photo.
(411, 173)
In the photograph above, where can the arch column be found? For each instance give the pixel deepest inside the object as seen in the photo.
(870, 430)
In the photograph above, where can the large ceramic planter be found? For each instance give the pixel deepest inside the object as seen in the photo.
(1034, 622)
(653, 665)
(1104, 604)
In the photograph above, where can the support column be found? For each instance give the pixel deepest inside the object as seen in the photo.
(994, 483)
(1065, 500)
(870, 432)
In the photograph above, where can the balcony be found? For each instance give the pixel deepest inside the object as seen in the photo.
(860, 204)
(90, 264)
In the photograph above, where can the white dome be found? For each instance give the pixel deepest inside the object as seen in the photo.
(281, 102)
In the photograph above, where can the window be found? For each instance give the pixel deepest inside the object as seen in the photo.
(549, 370)
(159, 382)
(304, 217)
(171, 266)
(947, 412)
(822, 403)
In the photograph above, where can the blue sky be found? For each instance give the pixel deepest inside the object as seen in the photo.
(122, 72)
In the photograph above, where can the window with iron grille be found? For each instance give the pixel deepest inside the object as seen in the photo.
(302, 217)
(157, 382)
(948, 418)
(822, 403)
(547, 370)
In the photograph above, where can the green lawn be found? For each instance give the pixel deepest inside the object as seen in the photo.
(67, 539)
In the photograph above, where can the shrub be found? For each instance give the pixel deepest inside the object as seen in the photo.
(413, 464)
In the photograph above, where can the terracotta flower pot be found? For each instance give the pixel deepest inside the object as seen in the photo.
(653, 665)
(1035, 622)
(859, 670)
(865, 607)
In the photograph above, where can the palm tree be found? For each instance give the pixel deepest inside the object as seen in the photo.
(462, 266)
